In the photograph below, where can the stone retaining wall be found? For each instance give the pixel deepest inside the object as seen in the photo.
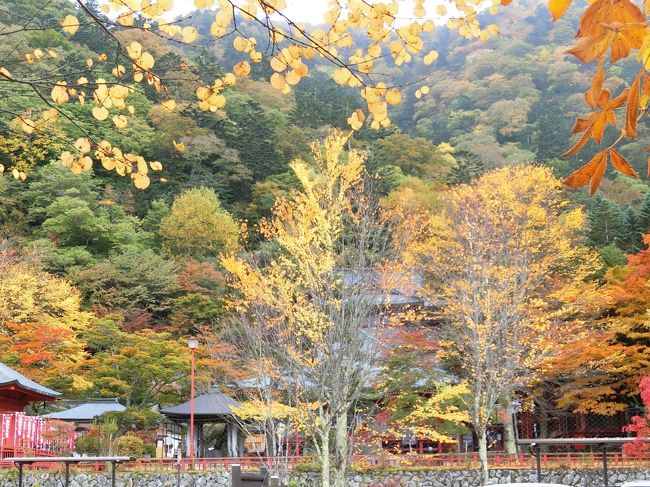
(422, 478)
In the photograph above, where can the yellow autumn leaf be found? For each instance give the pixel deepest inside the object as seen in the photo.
(70, 24)
(202, 93)
(82, 145)
(60, 93)
(189, 34)
(229, 79)
(100, 113)
(242, 69)
(134, 50)
(430, 57)
(27, 125)
(169, 105)
(155, 166)
(179, 146)
(141, 181)
(120, 121)
(393, 96)
(558, 7)
(277, 81)
(146, 61)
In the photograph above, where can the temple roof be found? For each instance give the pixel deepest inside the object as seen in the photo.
(213, 405)
(10, 377)
(87, 411)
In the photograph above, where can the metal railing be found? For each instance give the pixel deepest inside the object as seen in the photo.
(21, 462)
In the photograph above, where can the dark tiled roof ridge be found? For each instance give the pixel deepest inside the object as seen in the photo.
(10, 376)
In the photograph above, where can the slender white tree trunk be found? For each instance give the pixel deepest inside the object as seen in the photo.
(509, 433)
(341, 451)
(325, 459)
(482, 455)
(509, 440)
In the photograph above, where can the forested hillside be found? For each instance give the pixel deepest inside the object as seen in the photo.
(117, 262)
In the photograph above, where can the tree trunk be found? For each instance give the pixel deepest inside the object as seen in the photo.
(509, 438)
(543, 426)
(482, 455)
(325, 459)
(509, 434)
(341, 450)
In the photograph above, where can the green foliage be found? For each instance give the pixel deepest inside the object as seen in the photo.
(605, 222)
(133, 419)
(140, 368)
(132, 278)
(468, 168)
(612, 256)
(54, 181)
(414, 156)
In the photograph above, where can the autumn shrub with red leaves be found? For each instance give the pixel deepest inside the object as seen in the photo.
(640, 425)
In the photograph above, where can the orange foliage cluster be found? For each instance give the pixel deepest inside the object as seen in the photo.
(618, 27)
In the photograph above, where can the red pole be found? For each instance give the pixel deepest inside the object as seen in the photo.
(192, 407)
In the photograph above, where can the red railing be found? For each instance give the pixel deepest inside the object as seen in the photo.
(22, 435)
(443, 461)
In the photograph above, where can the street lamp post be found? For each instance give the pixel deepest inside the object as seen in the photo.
(192, 343)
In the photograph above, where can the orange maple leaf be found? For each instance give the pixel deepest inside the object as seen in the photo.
(558, 8)
(591, 172)
(618, 24)
(594, 124)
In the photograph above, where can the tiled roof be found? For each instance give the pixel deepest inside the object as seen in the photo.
(9, 376)
(213, 404)
(88, 410)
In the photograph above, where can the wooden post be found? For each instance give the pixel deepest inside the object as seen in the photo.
(605, 472)
(113, 467)
(235, 474)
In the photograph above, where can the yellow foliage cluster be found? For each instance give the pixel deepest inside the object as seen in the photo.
(306, 228)
(382, 22)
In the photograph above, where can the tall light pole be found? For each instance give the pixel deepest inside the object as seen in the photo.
(192, 343)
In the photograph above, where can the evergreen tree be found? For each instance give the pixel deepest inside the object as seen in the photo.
(643, 220)
(630, 237)
(605, 222)
(469, 167)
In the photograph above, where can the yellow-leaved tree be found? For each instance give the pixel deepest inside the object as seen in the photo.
(40, 318)
(505, 260)
(305, 314)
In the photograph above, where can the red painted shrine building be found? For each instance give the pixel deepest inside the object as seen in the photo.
(20, 433)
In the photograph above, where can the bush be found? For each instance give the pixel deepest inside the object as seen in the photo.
(129, 445)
